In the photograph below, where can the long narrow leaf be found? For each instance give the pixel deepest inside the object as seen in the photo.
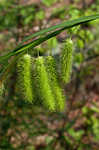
(63, 26)
(60, 27)
(66, 24)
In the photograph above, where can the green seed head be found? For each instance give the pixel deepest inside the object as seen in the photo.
(53, 80)
(43, 86)
(66, 60)
(24, 77)
(1, 89)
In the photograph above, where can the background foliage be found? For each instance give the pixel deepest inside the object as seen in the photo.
(23, 126)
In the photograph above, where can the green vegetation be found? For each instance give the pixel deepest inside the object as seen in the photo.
(38, 109)
(66, 60)
(24, 83)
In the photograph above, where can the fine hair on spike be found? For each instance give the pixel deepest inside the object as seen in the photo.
(24, 77)
(53, 79)
(1, 89)
(42, 84)
(66, 60)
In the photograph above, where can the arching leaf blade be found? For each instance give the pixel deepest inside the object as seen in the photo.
(63, 26)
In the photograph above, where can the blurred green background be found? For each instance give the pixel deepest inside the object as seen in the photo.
(25, 127)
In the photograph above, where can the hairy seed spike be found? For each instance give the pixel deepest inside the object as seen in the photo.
(24, 77)
(52, 75)
(34, 84)
(43, 86)
(1, 89)
(66, 60)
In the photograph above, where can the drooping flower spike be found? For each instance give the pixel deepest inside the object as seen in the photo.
(66, 60)
(1, 89)
(53, 79)
(24, 78)
(43, 86)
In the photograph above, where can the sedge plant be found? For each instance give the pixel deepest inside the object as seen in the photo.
(24, 78)
(66, 60)
(43, 86)
(45, 73)
(54, 83)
